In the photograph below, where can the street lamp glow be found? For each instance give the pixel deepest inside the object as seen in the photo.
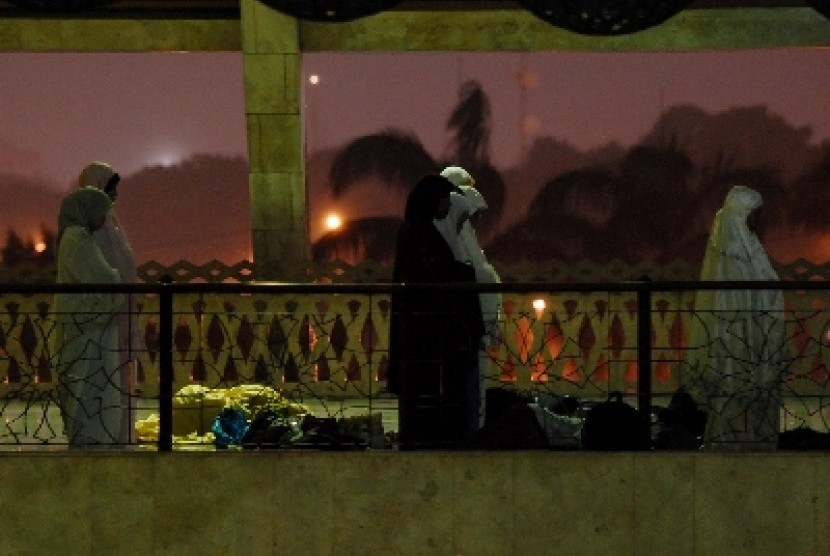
(539, 304)
(333, 222)
(40, 247)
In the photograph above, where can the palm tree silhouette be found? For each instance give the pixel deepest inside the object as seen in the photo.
(397, 159)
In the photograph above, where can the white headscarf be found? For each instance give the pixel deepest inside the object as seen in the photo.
(111, 239)
(84, 208)
(458, 176)
(733, 251)
(474, 198)
(97, 174)
(460, 210)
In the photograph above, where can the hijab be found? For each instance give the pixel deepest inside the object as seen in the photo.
(734, 251)
(425, 197)
(83, 207)
(475, 200)
(98, 175)
(458, 176)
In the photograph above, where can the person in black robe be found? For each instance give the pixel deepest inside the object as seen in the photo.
(435, 331)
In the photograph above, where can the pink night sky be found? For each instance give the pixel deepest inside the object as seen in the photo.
(60, 111)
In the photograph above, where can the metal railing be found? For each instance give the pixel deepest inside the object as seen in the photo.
(325, 341)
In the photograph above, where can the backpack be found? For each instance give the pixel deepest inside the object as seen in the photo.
(611, 425)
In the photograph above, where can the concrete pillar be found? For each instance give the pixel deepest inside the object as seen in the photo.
(271, 54)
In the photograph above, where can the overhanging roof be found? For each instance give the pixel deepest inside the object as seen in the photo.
(230, 8)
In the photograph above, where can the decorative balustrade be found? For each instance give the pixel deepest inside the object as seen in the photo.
(334, 346)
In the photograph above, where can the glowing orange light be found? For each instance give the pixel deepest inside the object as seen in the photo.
(539, 307)
(333, 222)
(40, 247)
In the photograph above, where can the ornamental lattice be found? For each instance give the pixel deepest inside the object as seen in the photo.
(330, 10)
(604, 17)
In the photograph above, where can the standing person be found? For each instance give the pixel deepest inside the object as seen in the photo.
(470, 252)
(738, 337)
(85, 339)
(434, 333)
(113, 242)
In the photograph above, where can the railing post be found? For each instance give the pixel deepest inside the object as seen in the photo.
(644, 361)
(165, 439)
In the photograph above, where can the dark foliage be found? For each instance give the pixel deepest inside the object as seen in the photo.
(362, 239)
(470, 125)
(18, 252)
(393, 157)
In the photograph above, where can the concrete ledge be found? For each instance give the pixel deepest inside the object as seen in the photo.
(505, 503)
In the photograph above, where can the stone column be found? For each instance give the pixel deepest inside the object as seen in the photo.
(271, 54)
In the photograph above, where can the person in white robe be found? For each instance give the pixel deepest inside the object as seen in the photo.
(85, 338)
(737, 342)
(459, 231)
(114, 244)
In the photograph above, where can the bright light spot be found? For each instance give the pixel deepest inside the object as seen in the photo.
(539, 304)
(40, 247)
(314, 79)
(333, 222)
(168, 159)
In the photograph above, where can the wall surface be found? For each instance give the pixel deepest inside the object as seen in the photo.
(119, 35)
(466, 503)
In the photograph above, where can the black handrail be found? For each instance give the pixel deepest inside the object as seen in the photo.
(165, 439)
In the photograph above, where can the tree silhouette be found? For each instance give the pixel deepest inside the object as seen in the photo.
(652, 202)
(470, 121)
(395, 158)
(470, 125)
(398, 160)
(566, 220)
(17, 251)
(654, 199)
(810, 196)
(371, 238)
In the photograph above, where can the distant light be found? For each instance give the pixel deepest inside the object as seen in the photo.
(314, 79)
(539, 304)
(167, 160)
(531, 124)
(333, 222)
(40, 247)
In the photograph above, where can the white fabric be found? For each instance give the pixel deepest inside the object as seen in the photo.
(450, 226)
(86, 343)
(460, 234)
(113, 242)
(737, 339)
(458, 176)
(491, 302)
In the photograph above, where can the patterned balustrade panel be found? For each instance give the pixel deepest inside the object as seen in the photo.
(585, 344)
(322, 346)
(336, 345)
